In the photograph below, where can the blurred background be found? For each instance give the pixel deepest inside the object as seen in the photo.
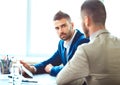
(27, 30)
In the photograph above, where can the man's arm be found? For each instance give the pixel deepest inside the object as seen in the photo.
(44, 66)
(53, 70)
(76, 68)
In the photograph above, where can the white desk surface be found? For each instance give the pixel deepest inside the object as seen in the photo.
(43, 79)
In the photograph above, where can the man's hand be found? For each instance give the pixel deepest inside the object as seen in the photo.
(27, 66)
(48, 68)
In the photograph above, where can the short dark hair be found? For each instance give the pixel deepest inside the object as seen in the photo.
(60, 15)
(96, 10)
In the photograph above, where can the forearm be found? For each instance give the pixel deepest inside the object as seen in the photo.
(39, 68)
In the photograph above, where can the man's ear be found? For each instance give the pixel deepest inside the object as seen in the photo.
(86, 21)
(72, 24)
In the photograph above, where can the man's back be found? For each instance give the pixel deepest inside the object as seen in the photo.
(104, 59)
(99, 60)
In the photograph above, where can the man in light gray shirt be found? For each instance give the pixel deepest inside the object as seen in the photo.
(98, 61)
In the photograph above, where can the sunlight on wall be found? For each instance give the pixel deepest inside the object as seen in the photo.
(35, 35)
(113, 16)
(44, 39)
(12, 27)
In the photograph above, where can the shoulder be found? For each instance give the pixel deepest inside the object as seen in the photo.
(61, 41)
(78, 32)
(80, 38)
(80, 35)
(61, 44)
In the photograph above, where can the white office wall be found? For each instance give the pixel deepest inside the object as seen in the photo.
(44, 39)
(13, 27)
(113, 16)
(26, 26)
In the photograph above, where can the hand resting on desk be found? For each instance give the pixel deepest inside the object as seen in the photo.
(27, 70)
(48, 68)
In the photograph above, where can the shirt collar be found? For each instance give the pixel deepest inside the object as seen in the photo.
(97, 33)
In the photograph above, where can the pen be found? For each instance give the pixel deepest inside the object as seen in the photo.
(9, 76)
(31, 81)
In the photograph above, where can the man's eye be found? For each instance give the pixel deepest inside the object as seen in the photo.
(63, 26)
(57, 28)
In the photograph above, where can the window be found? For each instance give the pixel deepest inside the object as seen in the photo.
(13, 27)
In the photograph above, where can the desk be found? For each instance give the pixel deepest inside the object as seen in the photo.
(43, 79)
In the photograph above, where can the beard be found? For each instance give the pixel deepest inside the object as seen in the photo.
(66, 36)
(86, 31)
(63, 36)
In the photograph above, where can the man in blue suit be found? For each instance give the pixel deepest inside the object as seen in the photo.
(70, 39)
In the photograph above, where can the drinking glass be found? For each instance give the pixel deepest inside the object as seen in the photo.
(16, 73)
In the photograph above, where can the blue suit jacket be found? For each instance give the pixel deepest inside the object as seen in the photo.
(59, 56)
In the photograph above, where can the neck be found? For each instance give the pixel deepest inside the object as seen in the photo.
(73, 31)
(95, 28)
